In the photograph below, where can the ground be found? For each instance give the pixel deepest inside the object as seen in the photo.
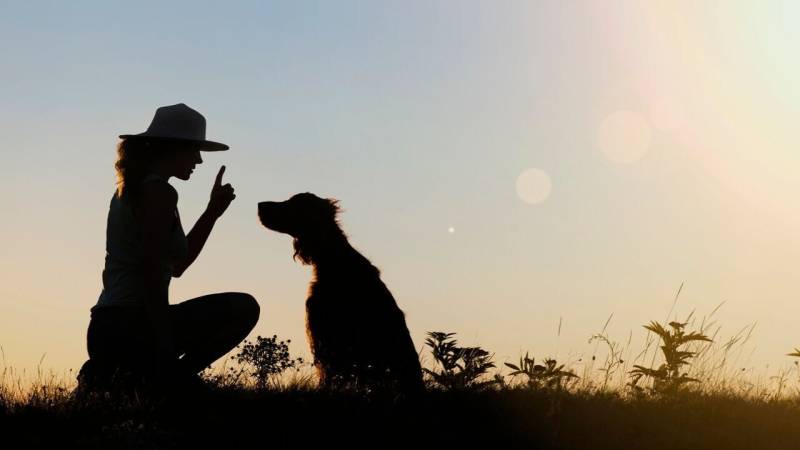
(230, 418)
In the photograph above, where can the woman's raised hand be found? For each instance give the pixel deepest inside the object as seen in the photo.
(221, 195)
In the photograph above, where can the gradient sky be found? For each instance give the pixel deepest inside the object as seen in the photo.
(664, 136)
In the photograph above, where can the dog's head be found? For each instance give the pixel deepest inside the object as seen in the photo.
(309, 219)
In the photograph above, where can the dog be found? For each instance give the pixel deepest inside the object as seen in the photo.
(356, 331)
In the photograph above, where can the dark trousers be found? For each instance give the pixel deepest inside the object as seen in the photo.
(203, 330)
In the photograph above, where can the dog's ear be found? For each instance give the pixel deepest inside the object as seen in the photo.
(318, 230)
(302, 251)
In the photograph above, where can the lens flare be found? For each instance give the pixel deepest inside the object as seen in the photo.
(534, 186)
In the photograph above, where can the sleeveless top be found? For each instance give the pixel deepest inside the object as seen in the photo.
(123, 274)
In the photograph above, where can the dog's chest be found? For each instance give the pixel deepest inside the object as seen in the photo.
(341, 296)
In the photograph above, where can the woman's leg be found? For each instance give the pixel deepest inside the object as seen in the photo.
(207, 327)
(120, 346)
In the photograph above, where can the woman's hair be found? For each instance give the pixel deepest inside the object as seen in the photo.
(135, 157)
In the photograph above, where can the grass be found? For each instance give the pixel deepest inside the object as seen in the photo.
(684, 389)
(296, 416)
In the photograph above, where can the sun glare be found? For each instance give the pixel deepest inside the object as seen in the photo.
(624, 137)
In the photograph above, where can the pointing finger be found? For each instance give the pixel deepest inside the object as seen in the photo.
(218, 181)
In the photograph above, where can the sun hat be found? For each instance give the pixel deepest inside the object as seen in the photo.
(178, 123)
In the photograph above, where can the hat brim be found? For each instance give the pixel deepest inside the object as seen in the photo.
(206, 146)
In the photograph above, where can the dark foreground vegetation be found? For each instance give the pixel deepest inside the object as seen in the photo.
(680, 395)
(496, 418)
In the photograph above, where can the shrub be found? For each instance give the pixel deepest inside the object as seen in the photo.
(550, 375)
(461, 367)
(668, 379)
(266, 358)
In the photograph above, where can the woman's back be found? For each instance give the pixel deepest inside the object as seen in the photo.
(123, 274)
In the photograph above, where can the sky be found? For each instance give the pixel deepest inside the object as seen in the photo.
(519, 171)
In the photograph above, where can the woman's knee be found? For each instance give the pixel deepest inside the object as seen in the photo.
(246, 307)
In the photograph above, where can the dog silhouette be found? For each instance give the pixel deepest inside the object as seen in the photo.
(357, 333)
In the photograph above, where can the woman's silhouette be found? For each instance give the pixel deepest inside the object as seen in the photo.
(134, 333)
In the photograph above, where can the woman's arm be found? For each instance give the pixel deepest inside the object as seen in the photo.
(157, 205)
(221, 197)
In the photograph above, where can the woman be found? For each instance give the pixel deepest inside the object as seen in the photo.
(133, 328)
